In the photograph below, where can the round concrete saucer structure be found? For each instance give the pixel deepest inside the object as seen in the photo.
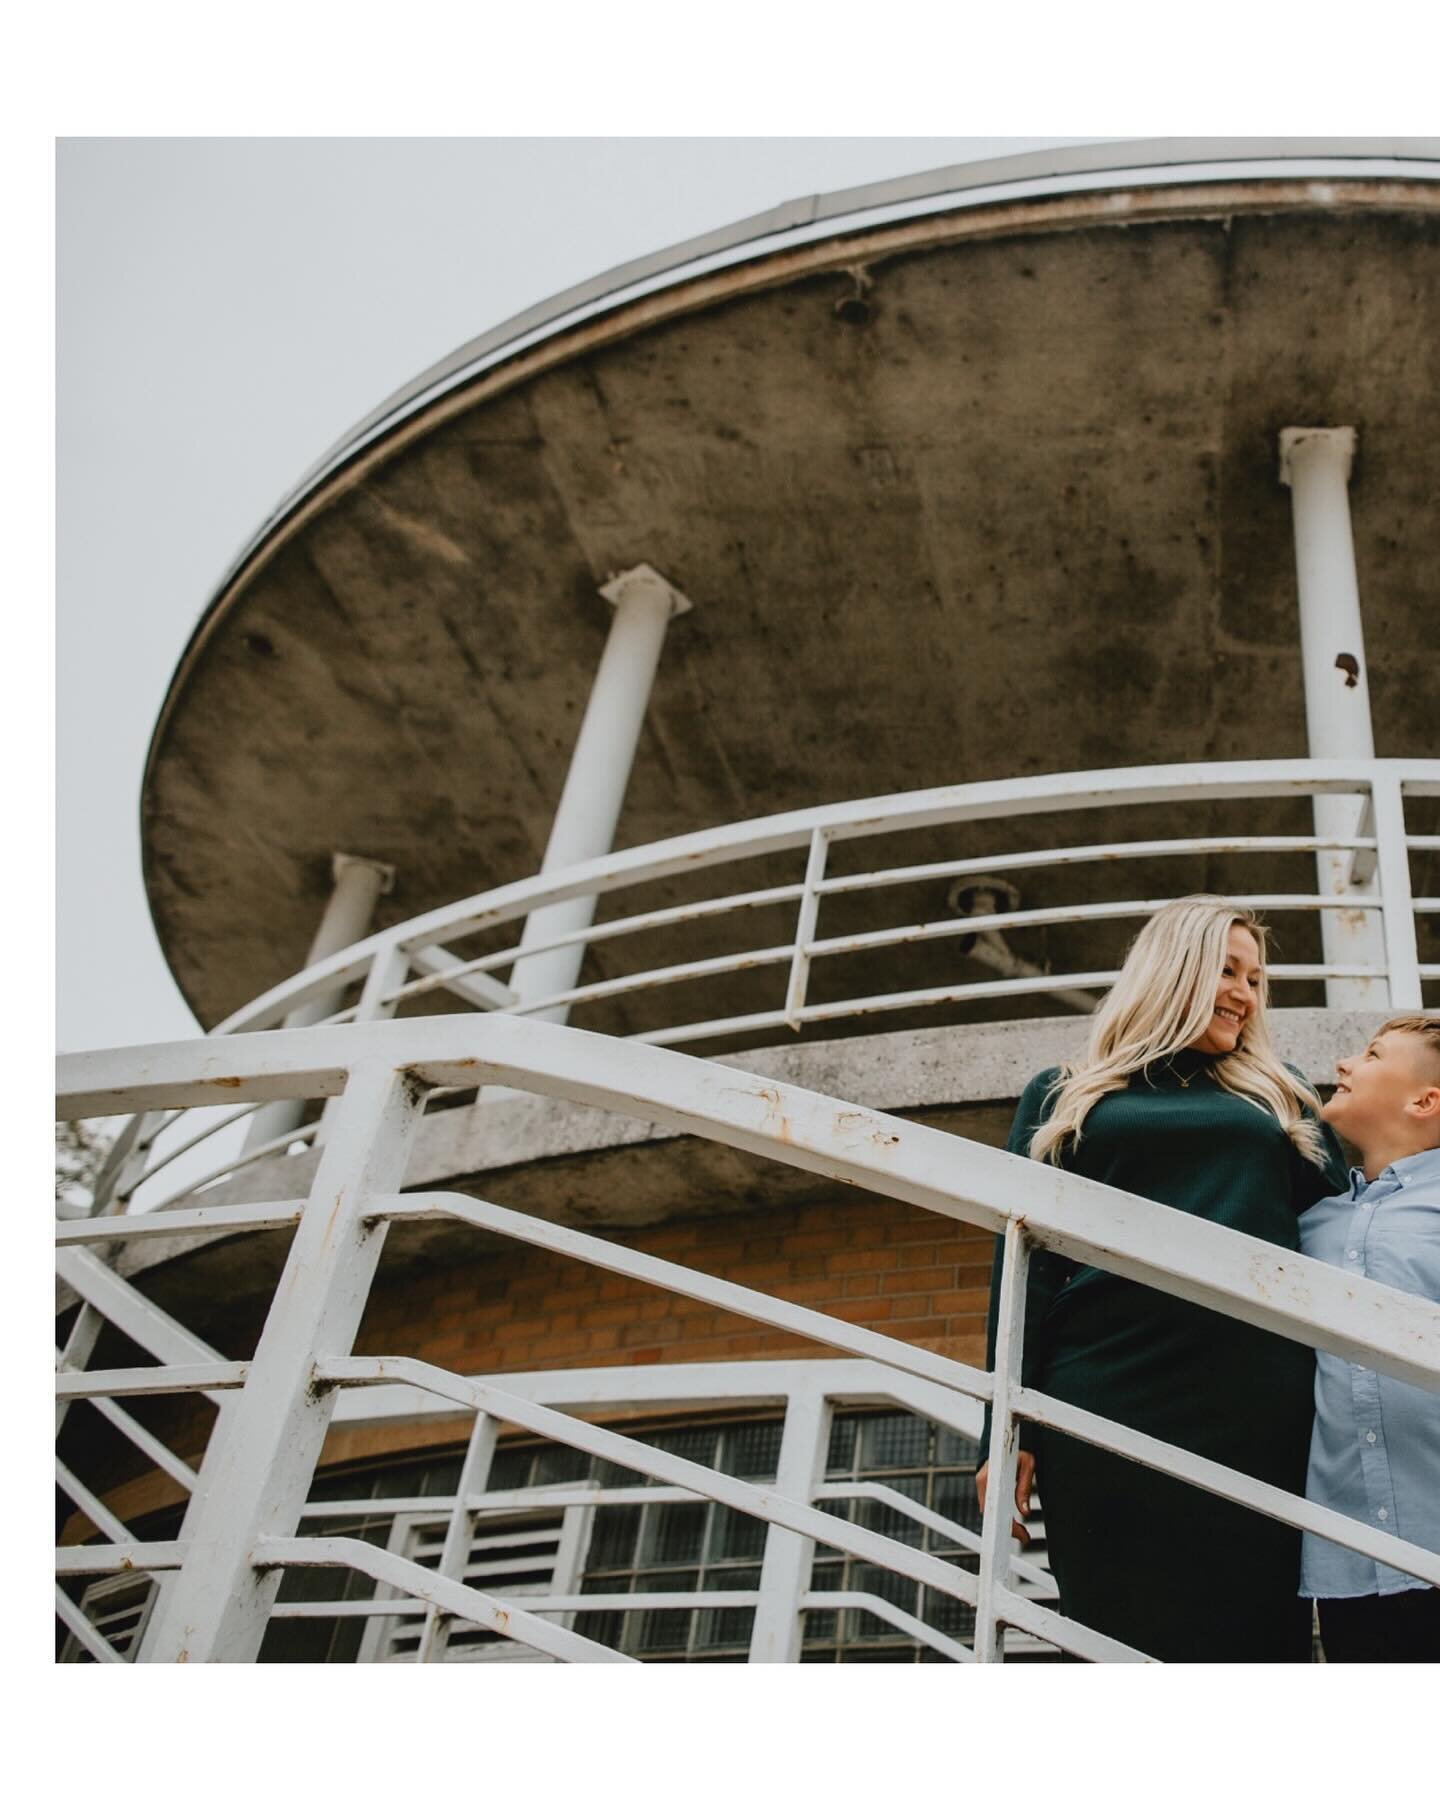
(984, 492)
(1055, 502)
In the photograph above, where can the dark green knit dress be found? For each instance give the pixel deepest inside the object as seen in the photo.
(1177, 1573)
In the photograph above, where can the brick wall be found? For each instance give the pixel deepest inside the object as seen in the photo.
(872, 1261)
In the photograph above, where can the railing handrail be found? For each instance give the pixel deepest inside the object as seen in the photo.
(1397, 1334)
(904, 1159)
(840, 820)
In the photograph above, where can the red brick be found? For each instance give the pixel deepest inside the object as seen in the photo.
(564, 1321)
(846, 1262)
(760, 1275)
(961, 1300)
(862, 1284)
(914, 1330)
(518, 1329)
(917, 1281)
(806, 1293)
(806, 1243)
(571, 1344)
(659, 1240)
(859, 1311)
(911, 1306)
(965, 1254)
(916, 1256)
(917, 1228)
(755, 1249)
(657, 1331)
(617, 1314)
(619, 1287)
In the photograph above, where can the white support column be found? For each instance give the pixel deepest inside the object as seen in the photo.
(789, 1555)
(257, 1471)
(359, 883)
(599, 773)
(1315, 466)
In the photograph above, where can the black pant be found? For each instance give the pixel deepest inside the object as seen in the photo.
(1383, 1628)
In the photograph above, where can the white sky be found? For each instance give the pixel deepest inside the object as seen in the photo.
(227, 309)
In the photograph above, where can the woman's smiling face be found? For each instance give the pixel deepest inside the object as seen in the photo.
(1237, 995)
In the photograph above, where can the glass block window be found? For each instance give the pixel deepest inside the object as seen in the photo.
(659, 1548)
(118, 1607)
(350, 1639)
(680, 1548)
(929, 1464)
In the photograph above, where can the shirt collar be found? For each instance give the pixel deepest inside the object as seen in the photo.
(1424, 1164)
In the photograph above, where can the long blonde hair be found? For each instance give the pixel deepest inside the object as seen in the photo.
(1161, 1002)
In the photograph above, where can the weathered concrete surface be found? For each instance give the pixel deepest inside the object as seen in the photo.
(1023, 515)
(584, 1167)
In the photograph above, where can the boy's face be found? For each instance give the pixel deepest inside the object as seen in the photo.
(1378, 1089)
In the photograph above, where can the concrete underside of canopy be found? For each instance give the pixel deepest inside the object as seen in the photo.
(980, 496)
(595, 1170)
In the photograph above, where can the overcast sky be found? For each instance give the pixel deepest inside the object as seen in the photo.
(227, 309)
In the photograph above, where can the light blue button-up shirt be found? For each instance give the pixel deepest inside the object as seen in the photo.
(1375, 1447)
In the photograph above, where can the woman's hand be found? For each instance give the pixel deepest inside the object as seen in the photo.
(1024, 1481)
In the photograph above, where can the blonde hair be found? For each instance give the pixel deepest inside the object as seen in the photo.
(1161, 1002)
(1425, 1026)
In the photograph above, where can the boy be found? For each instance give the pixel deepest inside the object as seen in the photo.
(1375, 1449)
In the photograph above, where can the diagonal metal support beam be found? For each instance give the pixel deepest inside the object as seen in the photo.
(439, 1590)
(94, 1509)
(125, 1306)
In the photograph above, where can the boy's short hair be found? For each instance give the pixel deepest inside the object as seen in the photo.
(1426, 1027)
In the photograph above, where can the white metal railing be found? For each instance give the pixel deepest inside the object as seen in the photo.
(808, 1392)
(247, 1498)
(409, 961)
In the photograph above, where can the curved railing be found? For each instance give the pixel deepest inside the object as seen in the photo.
(400, 963)
(407, 963)
(220, 1571)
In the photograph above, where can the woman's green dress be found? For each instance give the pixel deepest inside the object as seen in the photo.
(1160, 1565)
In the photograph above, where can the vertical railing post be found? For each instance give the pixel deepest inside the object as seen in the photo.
(389, 969)
(257, 1471)
(785, 1571)
(805, 928)
(1392, 855)
(455, 1555)
(1004, 1446)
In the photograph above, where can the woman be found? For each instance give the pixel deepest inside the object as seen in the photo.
(1179, 1097)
